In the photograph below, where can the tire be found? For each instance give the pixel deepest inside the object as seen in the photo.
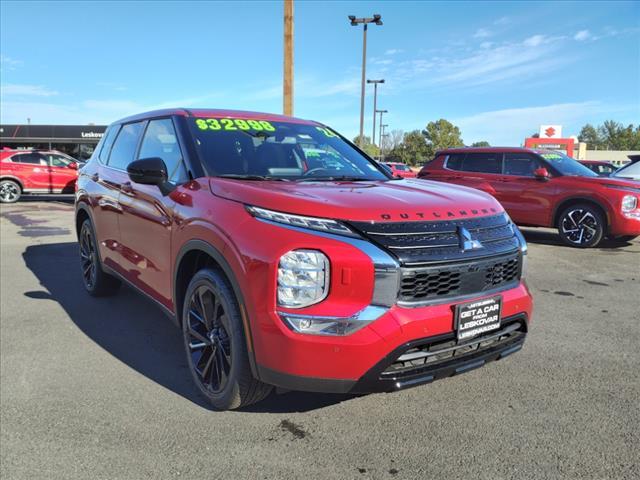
(95, 280)
(581, 225)
(10, 191)
(215, 343)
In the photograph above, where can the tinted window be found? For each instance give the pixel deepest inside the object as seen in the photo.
(58, 160)
(160, 141)
(521, 164)
(125, 146)
(483, 162)
(32, 158)
(107, 143)
(454, 162)
(566, 165)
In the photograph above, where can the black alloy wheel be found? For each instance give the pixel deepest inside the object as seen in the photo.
(9, 191)
(581, 226)
(96, 281)
(216, 345)
(208, 340)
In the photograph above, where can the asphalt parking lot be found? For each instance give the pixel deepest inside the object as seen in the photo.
(99, 388)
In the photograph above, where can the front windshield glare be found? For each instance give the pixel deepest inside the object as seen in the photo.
(567, 165)
(259, 149)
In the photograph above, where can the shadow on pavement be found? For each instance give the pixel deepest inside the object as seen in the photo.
(135, 331)
(550, 237)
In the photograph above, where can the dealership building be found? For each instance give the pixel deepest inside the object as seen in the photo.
(79, 141)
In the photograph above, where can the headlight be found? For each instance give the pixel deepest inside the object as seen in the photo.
(313, 223)
(303, 278)
(629, 203)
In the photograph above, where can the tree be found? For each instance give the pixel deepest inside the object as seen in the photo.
(442, 134)
(394, 139)
(369, 148)
(482, 143)
(589, 135)
(413, 150)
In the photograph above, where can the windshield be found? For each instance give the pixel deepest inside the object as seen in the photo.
(567, 165)
(629, 171)
(263, 150)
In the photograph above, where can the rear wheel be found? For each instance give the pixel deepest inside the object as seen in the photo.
(10, 191)
(581, 226)
(96, 281)
(215, 343)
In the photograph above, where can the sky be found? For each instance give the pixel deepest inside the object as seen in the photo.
(497, 70)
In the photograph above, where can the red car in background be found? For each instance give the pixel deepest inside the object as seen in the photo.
(400, 170)
(543, 188)
(35, 171)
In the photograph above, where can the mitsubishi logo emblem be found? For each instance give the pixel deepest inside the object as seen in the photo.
(467, 242)
(550, 131)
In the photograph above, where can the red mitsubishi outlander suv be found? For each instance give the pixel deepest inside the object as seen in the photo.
(317, 272)
(35, 171)
(542, 188)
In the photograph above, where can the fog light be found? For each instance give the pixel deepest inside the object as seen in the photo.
(303, 278)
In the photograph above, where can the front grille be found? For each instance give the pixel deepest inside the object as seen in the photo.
(440, 282)
(419, 359)
(416, 243)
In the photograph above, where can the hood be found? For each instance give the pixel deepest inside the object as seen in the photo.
(604, 181)
(395, 200)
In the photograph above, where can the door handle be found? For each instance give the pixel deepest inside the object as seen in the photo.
(126, 187)
(95, 177)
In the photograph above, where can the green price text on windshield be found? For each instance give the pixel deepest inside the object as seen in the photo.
(327, 132)
(231, 124)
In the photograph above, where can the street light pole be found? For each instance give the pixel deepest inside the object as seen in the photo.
(382, 137)
(375, 99)
(377, 19)
(381, 112)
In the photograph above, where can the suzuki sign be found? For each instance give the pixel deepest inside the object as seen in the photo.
(550, 131)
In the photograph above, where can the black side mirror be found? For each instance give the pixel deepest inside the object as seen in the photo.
(150, 171)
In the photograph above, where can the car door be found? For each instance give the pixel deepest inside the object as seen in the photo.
(32, 170)
(480, 170)
(526, 198)
(147, 218)
(62, 174)
(121, 143)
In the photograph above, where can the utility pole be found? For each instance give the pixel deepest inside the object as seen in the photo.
(375, 98)
(287, 85)
(377, 19)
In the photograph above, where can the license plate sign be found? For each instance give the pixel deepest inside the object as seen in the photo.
(477, 317)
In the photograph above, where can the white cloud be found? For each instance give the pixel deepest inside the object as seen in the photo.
(8, 63)
(482, 33)
(486, 44)
(582, 35)
(393, 51)
(509, 127)
(502, 21)
(381, 61)
(12, 89)
(534, 41)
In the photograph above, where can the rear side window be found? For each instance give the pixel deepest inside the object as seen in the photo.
(160, 141)
(30, 158)
(454, 162)
(109, 137)
(124, 148)
(483, 163)
(520, 164)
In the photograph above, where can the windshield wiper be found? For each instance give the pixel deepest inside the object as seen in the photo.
(237, 176)
(340, 178)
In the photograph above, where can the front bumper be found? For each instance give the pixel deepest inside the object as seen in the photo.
(440, 357)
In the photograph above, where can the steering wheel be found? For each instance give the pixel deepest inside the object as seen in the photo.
(313, 171)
